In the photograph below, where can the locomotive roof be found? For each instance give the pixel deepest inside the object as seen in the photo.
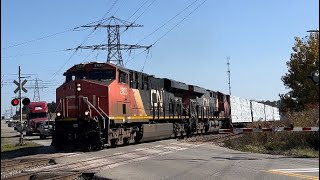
(173, 83)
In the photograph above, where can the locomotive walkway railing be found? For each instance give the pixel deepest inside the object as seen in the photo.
(85, 99)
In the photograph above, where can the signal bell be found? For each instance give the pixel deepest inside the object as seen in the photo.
(15, 102)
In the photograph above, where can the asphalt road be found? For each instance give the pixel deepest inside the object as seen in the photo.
(11, 135)
(209, 161)
(172, 159)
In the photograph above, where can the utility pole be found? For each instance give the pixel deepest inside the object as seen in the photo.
(20, 105)
(229, 83)
(11, 113)
(2, 82)
(114, 46)
(20, 88)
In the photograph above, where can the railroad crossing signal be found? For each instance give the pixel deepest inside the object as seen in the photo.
(18, 88)
(26, 101)
(15, 102)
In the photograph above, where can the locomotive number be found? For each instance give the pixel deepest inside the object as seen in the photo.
(123, 91)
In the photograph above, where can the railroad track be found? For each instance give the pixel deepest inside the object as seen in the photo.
(47, 175)
(214, 138)
(12, 167)
(73, 170)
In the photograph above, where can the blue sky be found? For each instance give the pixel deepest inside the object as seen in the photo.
(257, 36)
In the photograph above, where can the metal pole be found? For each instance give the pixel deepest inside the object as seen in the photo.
(229, 83)
(20, 106)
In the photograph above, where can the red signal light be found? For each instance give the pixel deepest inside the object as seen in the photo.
(15, 102)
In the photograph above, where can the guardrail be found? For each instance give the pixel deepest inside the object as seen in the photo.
(277, 129)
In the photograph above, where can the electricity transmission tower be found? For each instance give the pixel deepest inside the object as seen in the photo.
(36, 95)
(114, 46)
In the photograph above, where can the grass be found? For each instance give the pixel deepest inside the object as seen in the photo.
(8, 146)
(297, 144)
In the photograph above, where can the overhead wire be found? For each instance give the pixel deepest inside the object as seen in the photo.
(100, 21)
(157, 29)
(61, 32)
(144, 11)
(37, 39)
(146, 60)
(177, 24)
(92, 51)
(137, 10)
(106, 14)
(36, 53)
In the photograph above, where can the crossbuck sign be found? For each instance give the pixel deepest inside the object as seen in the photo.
(18, 88)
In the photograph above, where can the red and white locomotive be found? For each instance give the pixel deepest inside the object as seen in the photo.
(103, 104)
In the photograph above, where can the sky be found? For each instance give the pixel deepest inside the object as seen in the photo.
(191, 41)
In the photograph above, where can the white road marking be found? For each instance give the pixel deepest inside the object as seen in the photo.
(298, 170)
(139, 149)
(174, 143)
(172, 147)
(158, 146)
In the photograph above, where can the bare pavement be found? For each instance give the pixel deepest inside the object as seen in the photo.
(172, 159)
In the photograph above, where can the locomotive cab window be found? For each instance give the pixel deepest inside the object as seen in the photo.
(72, 77)
(102, 75)
(123, 77)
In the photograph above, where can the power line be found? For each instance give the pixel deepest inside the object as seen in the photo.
(180, 22)
(137, 10)
(105, 15)
(145, 61)
(93, 51)
(171, 28)
(168, 21)
(58, 33)
(37, 39)
(27, 54)
(144, 11)
(100, 21)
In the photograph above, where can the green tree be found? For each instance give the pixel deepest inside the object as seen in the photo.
(52, 107)
(270, 103)
(304, 60)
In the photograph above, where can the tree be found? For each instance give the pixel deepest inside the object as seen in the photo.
(270, 103)
(51, 107)
(303, 62)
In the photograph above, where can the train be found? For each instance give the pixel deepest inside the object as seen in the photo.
(101, 104)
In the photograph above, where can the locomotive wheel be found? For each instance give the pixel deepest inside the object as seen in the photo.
(114, 143)
(125, 141)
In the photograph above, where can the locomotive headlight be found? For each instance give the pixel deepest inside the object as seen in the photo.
(78, 87)
(87, 112)
(58, 114)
